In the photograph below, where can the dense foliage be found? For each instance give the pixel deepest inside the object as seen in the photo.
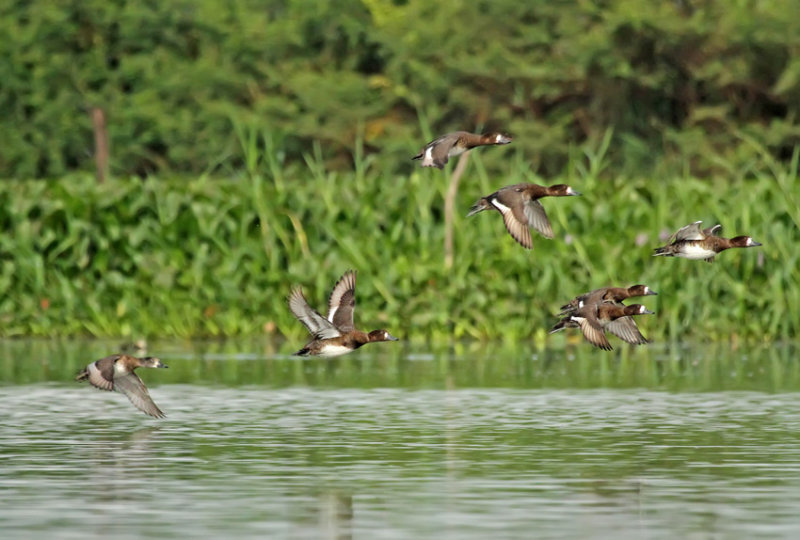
(295, 121)
(681, 82)
(166, 256)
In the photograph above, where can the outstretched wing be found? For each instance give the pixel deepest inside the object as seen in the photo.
(625, 328)
(517, 229)
(318, 325)
(514, 218)
(594, 333)
(343, 301)
(132, 386)
(537, 218)
(689, 232)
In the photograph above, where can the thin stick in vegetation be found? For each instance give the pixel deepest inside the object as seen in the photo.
(449, 208)
(101, 152)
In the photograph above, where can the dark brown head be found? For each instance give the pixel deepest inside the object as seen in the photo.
(496, 138)
(743, 241)
(637, 309)
(381, 335)
(641, 290)
(561, 190)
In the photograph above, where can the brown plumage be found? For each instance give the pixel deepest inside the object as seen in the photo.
(614, 295)
(594, 320)
(692, 242)
(116, 372)
(336, 334)
(437, 152)
(520, 207)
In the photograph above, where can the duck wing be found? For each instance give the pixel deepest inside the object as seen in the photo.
(439, 152)
(688, 232)
(537, 218)
(625, 328)
(318, 325)
(517, 229)
(134, 389)
(343, 301)
(436, 153)
(594, 333)
(514, 218)
(100, 374)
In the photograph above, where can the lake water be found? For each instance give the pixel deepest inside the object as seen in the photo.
(393, 442)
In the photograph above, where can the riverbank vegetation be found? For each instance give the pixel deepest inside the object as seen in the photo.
(248, 147)
(173, 256)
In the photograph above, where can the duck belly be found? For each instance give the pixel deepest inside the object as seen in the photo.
(695, 252)
(330, 350)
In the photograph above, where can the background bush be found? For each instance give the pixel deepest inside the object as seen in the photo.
(167, 257)
(261, 145)
(679, 81)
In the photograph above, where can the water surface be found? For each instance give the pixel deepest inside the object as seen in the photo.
(681, 442)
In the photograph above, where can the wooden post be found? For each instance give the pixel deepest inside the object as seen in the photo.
(100, 143)
(449, 208)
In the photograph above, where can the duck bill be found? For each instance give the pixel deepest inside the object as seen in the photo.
(390, 337)
(571, 191)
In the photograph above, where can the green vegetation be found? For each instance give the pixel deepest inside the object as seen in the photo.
(259, 146)
(169, 256)
(677, 80)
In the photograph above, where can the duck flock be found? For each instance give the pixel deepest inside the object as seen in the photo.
(594, 313)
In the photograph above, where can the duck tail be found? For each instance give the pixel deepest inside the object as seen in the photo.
(566, 309)
(479, 206)
(82, 375)
(418, 156)
(560, 325)
(662, 251)
(305, 351)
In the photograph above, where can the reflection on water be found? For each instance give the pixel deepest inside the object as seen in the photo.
(668, 444)
(771, 368)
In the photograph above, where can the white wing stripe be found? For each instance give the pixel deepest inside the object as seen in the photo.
(500, 206)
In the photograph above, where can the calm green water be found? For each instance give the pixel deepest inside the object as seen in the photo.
(399, 443)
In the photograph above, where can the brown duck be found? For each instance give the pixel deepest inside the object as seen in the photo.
(613, 295)
(437, 152)
(520, 207)
(336, 334)
(692, 242)
(594, 320)
(116, 372)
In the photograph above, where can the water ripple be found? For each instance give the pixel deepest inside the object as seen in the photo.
(397, 463)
